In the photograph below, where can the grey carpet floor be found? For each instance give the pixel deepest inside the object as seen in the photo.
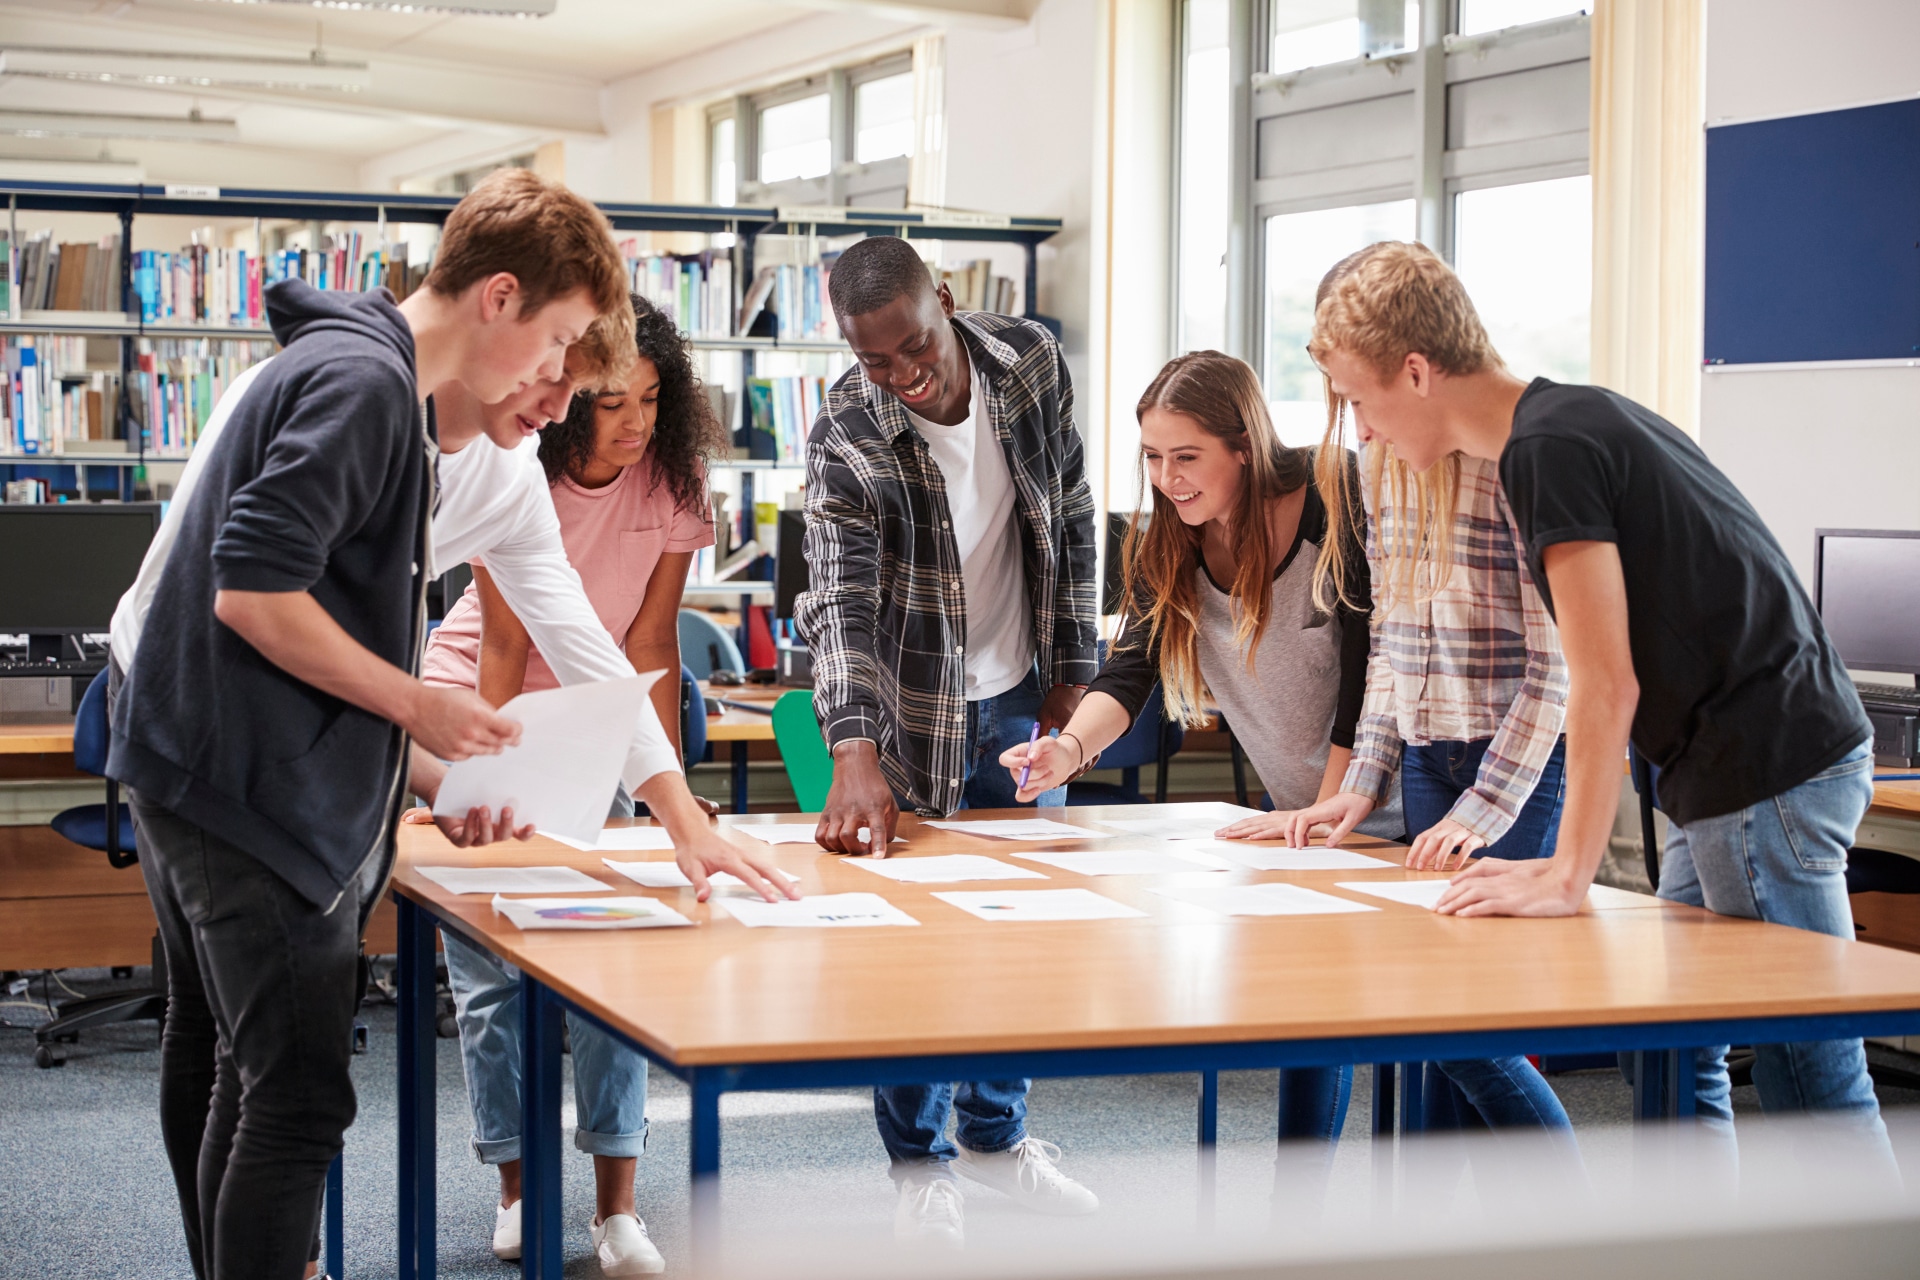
(85, 1190)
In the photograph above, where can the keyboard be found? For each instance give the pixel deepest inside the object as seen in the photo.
(14, 668)
(1900, 694)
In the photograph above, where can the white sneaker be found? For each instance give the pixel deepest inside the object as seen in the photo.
(506, 1233)
(1026, 1173)
(929, 1211)
(623, 1247)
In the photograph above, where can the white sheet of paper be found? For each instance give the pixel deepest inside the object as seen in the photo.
(1426, 893)
(827, 911)
(944, 869)
(794, 833)
(595, 913)
(668, 875)
(513, 880)
(1262, 900)
(1021, 829)
(563, 773)
(1129, 862)
(1273, 858)
(1040, 904)
(1194, 822)
(620, 839)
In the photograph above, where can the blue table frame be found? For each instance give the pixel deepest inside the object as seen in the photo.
(1658, 1091)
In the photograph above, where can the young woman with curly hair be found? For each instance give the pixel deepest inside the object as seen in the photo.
(627, 471)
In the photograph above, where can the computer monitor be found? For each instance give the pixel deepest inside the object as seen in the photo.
(68, 564)
(1866, 584)
(790, 562)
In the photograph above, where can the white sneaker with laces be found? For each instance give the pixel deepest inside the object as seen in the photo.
(506, 1233)
(1026, 1173)
(624, 1248)
(929, 1211)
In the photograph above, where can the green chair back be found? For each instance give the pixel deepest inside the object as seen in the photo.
(809, 763)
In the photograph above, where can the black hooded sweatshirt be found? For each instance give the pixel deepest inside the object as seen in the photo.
(322, 481)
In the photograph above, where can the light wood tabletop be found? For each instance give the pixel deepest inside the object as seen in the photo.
(735, 725)
(35, 739)
(724, 993)
(1896, 798)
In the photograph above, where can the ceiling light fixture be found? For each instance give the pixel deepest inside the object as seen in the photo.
(100, 124)
(208, 70)
(486, 8)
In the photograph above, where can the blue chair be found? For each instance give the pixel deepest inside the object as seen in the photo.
(693, 720)
(706, 647)
(108, 828)
(1151, 740)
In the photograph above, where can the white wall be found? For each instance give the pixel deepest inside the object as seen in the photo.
(1824, 447)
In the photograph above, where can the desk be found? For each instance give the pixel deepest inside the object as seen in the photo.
(739, 727)
(728, 1008)
(1896, 799)
(36, 739)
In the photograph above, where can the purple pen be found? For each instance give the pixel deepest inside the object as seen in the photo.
(1033, 739)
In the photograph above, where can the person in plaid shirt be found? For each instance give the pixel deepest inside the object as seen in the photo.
(950, 558)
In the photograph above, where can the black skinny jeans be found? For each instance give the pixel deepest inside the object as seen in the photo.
(255, 1094)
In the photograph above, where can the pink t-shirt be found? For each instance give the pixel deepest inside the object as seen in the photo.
(614, 537)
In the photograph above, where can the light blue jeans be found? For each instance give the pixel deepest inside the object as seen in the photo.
(609, 1079)
(1784, 861)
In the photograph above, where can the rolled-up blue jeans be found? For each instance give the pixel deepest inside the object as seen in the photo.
(992, 1113)
(609, 1079)
(1784, 861)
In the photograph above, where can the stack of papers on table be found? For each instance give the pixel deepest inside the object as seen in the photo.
(668, 875)
(1040, 904)
(826, 911)
(1129, 862)
(1263, 900)
(513, 880)
(620, 839)
(944, 869)
(588, 913)
(1021, 829)
(1278, 858)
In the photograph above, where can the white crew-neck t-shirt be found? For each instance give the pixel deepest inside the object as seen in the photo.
(985, 515)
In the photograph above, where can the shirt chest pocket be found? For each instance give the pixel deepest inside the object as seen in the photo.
(618, 603)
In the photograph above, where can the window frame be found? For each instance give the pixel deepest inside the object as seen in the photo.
(846, 181)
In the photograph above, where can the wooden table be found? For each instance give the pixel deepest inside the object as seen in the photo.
(728, 1008)
(739, 727)
(1896, 799)
(36, 739)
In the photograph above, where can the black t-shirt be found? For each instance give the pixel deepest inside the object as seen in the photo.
(1742, 696)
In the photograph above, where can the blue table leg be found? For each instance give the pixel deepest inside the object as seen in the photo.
(542, 1018)
(1681, 1067)
(1413, 1108)
(1385, 1077)
(704, 1162)
(1209, 1140)
(1650, 1084)
(336, 1222)
(740, 776)
(417, 1096)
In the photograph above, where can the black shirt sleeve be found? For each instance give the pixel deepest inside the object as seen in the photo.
(1132, 667)
(1356, 620)
(1560, 490)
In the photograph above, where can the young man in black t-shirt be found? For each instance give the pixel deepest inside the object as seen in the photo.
(1683, 626)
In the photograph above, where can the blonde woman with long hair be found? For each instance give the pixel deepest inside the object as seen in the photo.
(1220, 574)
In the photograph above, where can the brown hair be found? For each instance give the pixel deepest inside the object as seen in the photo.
(1382, 304)
(1223, 396)
(600, 359)
(549, 239)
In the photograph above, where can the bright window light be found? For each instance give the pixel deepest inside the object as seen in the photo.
(1204, 107)
(795, 140)
(1313, 33)
(726, 176)
(1301, 247)
(1491, 15)
(1525, 254)
(883, 118)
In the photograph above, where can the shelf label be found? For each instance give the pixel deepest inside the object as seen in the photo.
(966, 218)
(810, 213)
(191, 191)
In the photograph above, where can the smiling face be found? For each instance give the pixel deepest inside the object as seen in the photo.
(1195, 470)
(508, 354)
(1399, 410)
(623, 419)
(909, 348)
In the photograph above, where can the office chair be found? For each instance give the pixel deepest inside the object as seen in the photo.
(108, 828)
(803, 751)
(1152, 739)
(693, 720)
(706, 647)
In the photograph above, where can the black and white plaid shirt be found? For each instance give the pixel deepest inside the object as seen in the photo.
(886, 616)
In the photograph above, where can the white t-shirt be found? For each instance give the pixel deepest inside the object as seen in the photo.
(493, 502)
(985, 514)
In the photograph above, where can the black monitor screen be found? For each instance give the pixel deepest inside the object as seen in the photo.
(1867, 584)
(68, 565)
(790, 563)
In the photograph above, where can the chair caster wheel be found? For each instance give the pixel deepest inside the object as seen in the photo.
(45, 1056)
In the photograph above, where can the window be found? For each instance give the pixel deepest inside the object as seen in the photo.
(1203, 213)
(796, 139)
(725, 188)
(1312, 33)
(883, 118)
(1525, 254)
(1300, 249)
(1477, 16)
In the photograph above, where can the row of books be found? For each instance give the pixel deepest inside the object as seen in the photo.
(77, 276)
(785, 409)
(790, 302)
(203, 284)
(976, 288)
(56, 403)
(696, 289)
(176, 382)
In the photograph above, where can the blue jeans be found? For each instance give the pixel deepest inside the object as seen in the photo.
(1784, 860)
(993, 1113)
(1313, 1102)
(1498, 1092)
